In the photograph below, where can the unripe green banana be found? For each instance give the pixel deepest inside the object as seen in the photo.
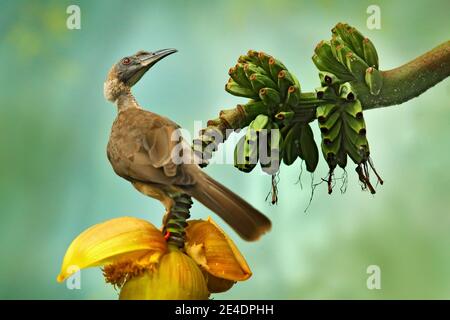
(239, 155)
(336, 41)
(309, 148)
(243, 59)
(374, 80)
(270, 97)
(251, 138)
(356, 39)
(324, 111)
(237, 73)
(275, 141)
(326, 93)
(275, 67)
(342, 30)
(354, 109)
(357, 140)
(250, 68)
(355, 130)
(285, 128)
(346, 92)
(331, 143)
(321, 64)
(323, 50)
(251, 57)
(325, 60)
(352, 150)
(337, 69)
(291, 145)
(329, 79)
(297, 83)
(260, 81)
(235, 89)
(356, 125)
(242, 153)
(370, 53)
(264, 61)
(285, 80)
(342, 50)
(293, 96)
(289, 77)
(260, 122)
(253, 108)
(341, 157)
(285, 117)
(356, 65)
(355, 135)
(246, 154)
(333, 133)
(331, 130)
(330, 150)
(329, 122)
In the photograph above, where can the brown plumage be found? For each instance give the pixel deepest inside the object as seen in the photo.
(141, 149)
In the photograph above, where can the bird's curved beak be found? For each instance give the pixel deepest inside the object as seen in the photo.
(148, 59)
(145, 61)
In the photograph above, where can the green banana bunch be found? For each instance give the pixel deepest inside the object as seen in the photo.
(347, 59)
(343, 131)
(299, 143)
(349, 56)
(267, 81)
(260, 76)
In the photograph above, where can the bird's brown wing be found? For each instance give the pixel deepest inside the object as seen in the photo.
(155, 160)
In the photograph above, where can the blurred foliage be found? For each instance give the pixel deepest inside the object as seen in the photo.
(54, 123)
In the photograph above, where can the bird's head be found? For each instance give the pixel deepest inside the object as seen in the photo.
(127, 72)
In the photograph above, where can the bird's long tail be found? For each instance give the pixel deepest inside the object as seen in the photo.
(248, 222)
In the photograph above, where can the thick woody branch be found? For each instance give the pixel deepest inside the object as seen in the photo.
(409, 80)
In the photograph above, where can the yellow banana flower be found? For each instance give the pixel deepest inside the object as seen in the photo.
(137, 259)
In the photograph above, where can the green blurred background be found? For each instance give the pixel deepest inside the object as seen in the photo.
(55, 179)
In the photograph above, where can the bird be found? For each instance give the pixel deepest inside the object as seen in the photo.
(141, 150)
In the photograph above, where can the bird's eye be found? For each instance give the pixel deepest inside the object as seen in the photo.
(126, 61)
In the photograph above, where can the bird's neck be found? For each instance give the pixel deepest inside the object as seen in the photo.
(126, 101)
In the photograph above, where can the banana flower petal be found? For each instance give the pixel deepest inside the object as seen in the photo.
(114, 241)
(215, 252)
